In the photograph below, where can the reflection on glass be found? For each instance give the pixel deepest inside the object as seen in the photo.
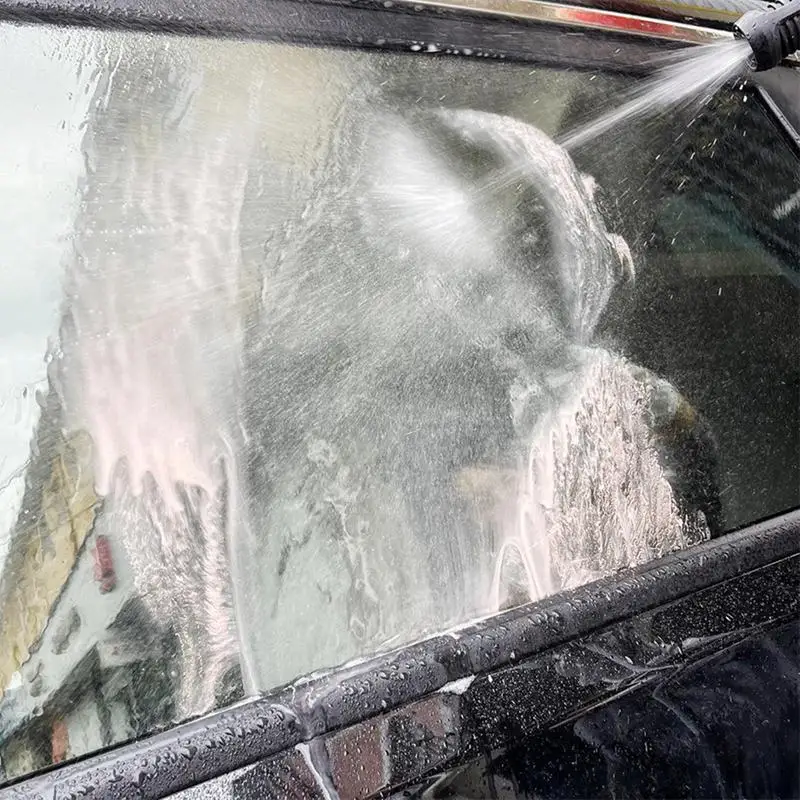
(345, 342)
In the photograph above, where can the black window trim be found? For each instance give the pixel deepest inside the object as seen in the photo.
(778, 115)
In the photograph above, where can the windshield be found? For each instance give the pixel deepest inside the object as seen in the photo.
(310, 353)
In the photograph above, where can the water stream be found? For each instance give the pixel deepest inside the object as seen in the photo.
(687, 78)
(583, 490)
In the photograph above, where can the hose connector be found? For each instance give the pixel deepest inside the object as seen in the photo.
(773, 34)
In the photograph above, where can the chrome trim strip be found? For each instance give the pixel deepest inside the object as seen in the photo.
(576, 16)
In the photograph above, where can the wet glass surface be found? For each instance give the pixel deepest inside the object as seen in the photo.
(322, 337)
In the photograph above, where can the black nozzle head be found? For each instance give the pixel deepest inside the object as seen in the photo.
(773, 35)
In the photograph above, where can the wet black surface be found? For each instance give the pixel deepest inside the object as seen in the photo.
(379, 726)
(697, 682)
(726, 726)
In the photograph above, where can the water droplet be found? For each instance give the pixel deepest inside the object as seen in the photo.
(188, 751)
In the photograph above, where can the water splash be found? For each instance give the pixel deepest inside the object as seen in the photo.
(422, 467)
(683, 79)
(589, 494)
(585, 260)
(595, 483)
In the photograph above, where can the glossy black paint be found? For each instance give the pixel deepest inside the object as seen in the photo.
(559, 719)
(537, 667)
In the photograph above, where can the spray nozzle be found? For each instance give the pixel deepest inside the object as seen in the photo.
(773, 34)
